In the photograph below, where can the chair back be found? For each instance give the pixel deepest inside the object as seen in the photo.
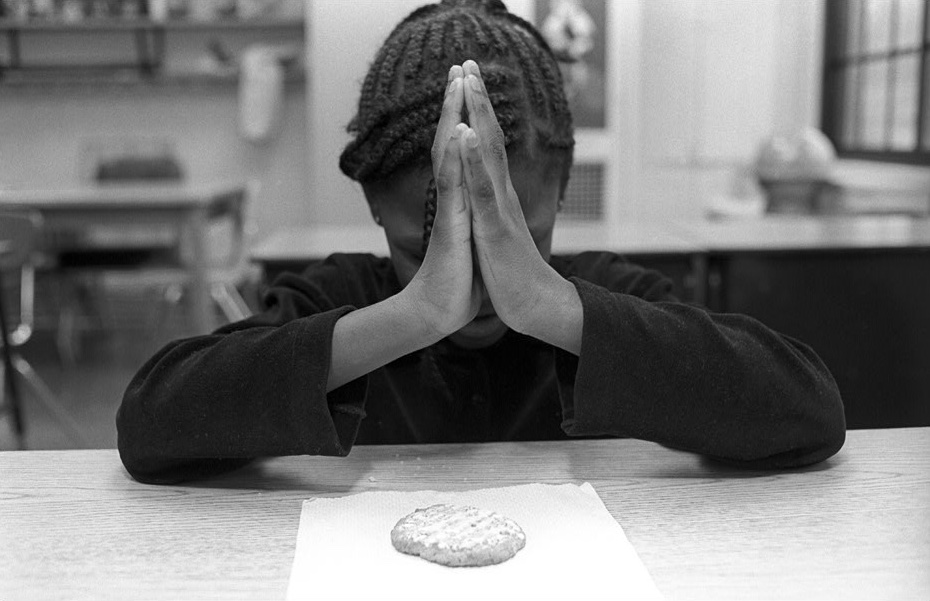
(19, 233)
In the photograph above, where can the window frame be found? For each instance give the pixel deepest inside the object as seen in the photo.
(834, 100)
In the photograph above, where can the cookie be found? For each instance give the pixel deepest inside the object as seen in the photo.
(458, 536)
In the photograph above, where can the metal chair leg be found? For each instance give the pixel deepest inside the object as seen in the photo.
(9, 381)
(230, 302)
(47, 398)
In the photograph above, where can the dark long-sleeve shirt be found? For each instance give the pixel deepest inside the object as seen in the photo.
(650, 367)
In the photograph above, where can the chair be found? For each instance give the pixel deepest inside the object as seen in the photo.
(18, 238)
(83, 257)
(229, 268)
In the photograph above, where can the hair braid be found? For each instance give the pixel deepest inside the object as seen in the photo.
(402, 94)
(435, 45)
(479, 32)
(413, 57)
(458, 36)
(388, 66)
(498, 39)
(429, 213)
(518, 43)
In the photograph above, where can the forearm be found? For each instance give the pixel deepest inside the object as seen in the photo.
(721, 385)
(259, 391)
(373, 336)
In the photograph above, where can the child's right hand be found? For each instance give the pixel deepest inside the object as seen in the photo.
(445, 291)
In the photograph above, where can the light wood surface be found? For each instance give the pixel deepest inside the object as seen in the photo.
(74, 525)
(116, 196)
(772, 233)
(317, 242)
(775, 233)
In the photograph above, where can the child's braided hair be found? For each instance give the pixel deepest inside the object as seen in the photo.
(402, 95)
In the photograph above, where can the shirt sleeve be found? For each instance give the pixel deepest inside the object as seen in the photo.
(723, 385)
(255, 388)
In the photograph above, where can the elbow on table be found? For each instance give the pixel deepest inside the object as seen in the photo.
(804, 437)
(823, 428)
(829, 426)
(148, 463)
(135, 451)
(138, 438)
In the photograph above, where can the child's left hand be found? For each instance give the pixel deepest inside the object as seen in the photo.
(527, 293)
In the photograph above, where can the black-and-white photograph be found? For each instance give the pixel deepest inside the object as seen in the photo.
(464, 299)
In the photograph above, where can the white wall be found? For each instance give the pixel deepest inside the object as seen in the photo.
(693, 85)
(45, 128)
(716, 78)
(43, 135)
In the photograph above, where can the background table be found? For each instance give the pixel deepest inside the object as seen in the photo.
(652, 245)
(73, 525)
(186, 207)
(852, 287)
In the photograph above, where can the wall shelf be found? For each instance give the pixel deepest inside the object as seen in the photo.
(59, 26)
(145, 62)
(130, 78)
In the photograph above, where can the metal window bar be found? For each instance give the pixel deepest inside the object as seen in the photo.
(839, 95)
(923, 94)
(891, 76)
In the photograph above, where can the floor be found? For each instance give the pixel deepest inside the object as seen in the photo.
(89, 389)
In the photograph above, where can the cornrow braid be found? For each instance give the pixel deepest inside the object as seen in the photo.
(402, 94)
(524, 53)
(429, 213)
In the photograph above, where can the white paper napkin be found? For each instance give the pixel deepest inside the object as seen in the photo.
(574, 549)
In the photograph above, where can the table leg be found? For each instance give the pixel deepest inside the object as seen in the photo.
(699, 273)
(200, 286)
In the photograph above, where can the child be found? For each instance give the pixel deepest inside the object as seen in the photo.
(472, 331)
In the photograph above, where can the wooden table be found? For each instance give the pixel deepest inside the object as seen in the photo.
(795, 233)
(186, 207)
(73, 525)
(651, 244)
(300, 244)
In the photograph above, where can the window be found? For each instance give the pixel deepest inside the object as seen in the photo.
(876, 100)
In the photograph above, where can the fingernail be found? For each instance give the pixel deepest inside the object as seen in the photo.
(474, 83)
(471, 138)
(452, 85)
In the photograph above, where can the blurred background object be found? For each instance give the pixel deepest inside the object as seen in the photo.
(795, 171)
(19, 252)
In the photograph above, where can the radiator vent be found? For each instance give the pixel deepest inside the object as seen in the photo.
(584, 197)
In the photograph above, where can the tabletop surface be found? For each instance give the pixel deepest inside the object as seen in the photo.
(313, 242)
(806, 232)
(154, 194)
(73, 525)
(768, 234)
